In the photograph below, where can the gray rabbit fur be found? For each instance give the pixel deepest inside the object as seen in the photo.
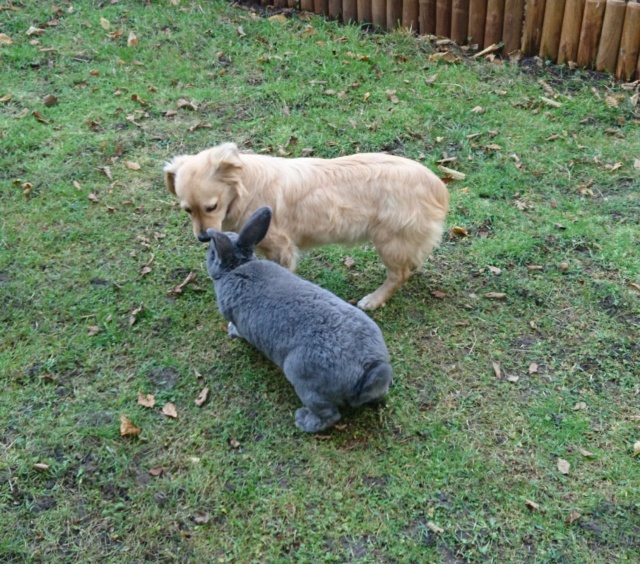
(331, 352)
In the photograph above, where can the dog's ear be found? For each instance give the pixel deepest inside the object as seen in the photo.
(226, 158)
(255, 229)
(222, 244)
(170, 170)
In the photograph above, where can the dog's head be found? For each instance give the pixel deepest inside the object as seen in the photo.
(206, 184)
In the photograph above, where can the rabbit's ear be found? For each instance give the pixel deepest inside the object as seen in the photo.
(255, 229)
(222, 244)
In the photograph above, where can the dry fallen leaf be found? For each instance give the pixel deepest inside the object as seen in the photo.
(636, 164)
(35, 31)
(93, 330)
(478, 110)
(132, 40)
(128, 429)
(105, 23)
(564, 266)
(573, 517)
(433, 527)
(7, 98)
(586, 453)
(635, 286)
(391, 96)
(456, 175)
(563, 466)
(438, 294)
(636, 448)
(459, 231)
(178, 288)
(183, 103)
(93, 198)
(146, 401)
(50, 100)
(201, 517)
(131, 165)
(169, 410)
(156, 471)
(495, 296)
(495, 270)
(535, 267)
(579, 405)
(533, 368)
(366, 96)
(233, 443)
(5, 39)
(41, 466)
(513, 378)
(532, 505)
(39, 117)
(496, 369)
(134, 314)
(202, 397)
(550, 102)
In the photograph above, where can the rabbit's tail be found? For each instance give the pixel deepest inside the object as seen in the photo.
(374, 383)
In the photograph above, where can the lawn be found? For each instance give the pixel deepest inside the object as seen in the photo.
(508, 435)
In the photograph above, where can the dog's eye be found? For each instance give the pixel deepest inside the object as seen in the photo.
(211, 208)
(187, 210)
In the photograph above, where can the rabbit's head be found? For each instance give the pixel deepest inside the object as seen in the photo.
(227, 251)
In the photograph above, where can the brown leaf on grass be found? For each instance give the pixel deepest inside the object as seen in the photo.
(169, 410)
(41, 467)
(563, 466)
(133, 317)
(550, 102)
(183, 103)
(553, 137)
(478, 110)
(201, 125)
(533, 368)
(636, 162)
(580, 405)
(495, 296)
(280, 18)
(107, 172)
(573, 517)
(496, 369)
(433, 527)
(240, 31)
(585, 453)
(39, 117)
(535, 267)
(7, 97)
(132, 40)
(636, 448)
(49, 100)
(146, 400)
(178, 288)
(146, 269)
(438, 294)
(202, 397)
(563, 267)
(27, 187)
(127, 428)
(93, 330)
(495, 270)
(349, 262)
(131, 165)
(5, 39)
(635, 286)
(513, 379)
(456, 175)
(156, 471)
(531, 505)
(201, 517)
(93, 198)
(559, 226)
(34, 31)
(139, 99)
(233, 443)
(105, 23)
(493, 147)
(391, 96)
(461, 231)
(431, 79)
(116, 34)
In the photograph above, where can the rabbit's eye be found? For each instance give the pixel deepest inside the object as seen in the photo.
(211, 208)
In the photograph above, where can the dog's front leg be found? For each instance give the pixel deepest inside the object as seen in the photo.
(279, 248)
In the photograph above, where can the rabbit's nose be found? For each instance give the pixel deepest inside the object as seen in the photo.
(204, 237)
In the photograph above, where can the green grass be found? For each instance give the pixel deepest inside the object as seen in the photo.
(454, 445)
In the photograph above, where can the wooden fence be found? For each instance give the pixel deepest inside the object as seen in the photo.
(598, 34)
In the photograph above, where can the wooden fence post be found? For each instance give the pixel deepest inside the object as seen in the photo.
(495, 21)
(532, 29)
(349, 11)
(427, 15)
(306, 5)
(460, 21)
(610, 38)
(443, 17)
(379, 13)
(570, 36)
(590, 32)
(394, 14)
(335, 9)
(629, 44)
(321, 7)
(552, 29)
(410, 14)
(477, 21)
(279, 3)
(512, 29)
(364, 11)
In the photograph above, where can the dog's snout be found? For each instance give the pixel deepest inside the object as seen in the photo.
(204, 237)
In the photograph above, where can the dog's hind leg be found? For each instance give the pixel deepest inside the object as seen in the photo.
(279, 248)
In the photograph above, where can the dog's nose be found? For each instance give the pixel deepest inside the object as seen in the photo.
(204, 237)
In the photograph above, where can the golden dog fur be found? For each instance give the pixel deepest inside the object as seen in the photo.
(396, 203)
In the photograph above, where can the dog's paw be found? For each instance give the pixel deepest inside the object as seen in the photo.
(232, 331)
(370, 302)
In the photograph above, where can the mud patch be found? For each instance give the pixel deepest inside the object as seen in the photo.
(164, 377)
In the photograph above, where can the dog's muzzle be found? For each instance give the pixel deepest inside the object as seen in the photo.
(204, 237)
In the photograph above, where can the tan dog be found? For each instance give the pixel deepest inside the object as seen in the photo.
(396, 203)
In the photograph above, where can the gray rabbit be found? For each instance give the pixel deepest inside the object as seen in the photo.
(331, 352)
